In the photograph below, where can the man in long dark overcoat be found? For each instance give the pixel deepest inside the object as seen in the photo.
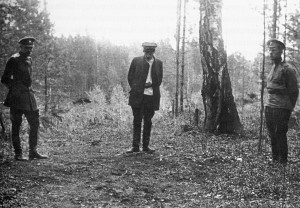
(144, 77)
(20, 98)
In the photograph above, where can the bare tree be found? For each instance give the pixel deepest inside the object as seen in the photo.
(262, 83)
(221, 114)
(177, 53)
(183, 55)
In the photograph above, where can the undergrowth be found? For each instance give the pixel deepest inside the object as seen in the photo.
(190, 168)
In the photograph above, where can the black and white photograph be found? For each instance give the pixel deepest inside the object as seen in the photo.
(149, 104)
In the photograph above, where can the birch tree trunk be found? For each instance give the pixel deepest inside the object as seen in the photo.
(274, 20)
(221, 114)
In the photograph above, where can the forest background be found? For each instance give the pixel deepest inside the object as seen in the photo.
(84, 141)
(68, 68)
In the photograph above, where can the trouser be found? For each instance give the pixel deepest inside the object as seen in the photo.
(277, 125)
(146, 112)
(33, 121)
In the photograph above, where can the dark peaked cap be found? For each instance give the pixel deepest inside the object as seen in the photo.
(27, 41)
(275, 43)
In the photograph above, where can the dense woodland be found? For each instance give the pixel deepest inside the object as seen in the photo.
(85, 140)
(68, 67)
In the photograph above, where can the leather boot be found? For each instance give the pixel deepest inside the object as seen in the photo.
(146, 140)
(35, 155)
(33, 139)
(18, 150)
(19, 157)
(17, 145)
(132, 150)
(148, 150)
(136, 140)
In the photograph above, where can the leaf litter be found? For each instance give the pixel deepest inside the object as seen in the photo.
(88, 168)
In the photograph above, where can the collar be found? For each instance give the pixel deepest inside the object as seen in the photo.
(153, 58)
(150, 61)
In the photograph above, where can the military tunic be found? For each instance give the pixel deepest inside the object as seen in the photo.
(17, 77)
(282, 90)
(282, 87)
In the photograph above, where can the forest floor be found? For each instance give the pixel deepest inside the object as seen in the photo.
(89, 168)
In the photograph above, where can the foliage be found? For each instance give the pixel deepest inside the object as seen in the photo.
(73, 65)
(5, 134)
(293, 48)
(120, 111)
(165, 100)
(249, 117)
(23, 18)
(81, 116)
(244, 78)
(83, 62)
(193, 76)
(166, 54)
(196, 101)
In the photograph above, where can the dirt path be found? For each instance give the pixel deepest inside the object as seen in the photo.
(87, 171)
(188, 170)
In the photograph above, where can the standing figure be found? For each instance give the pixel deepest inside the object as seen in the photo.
(144, 77)
(282, 87)
(20, 98)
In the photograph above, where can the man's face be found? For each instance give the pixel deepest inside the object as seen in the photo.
(275, 52)
(27, 50)
(148, 54)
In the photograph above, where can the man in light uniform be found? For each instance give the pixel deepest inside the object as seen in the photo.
(283, 92)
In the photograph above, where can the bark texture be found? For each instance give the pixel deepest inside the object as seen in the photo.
(221, 114)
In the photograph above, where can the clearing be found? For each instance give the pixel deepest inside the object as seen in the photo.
(88, 168)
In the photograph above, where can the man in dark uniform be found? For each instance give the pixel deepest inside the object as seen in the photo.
(20, 98)
(282, 87)
(144, 77)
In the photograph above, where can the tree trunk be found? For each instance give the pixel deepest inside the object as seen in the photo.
(274, 22)
(46, 92)
(262, 83)
(177, 54)
(182, 56)
(221, 114)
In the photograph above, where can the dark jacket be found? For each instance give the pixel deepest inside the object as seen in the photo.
(282, 87)
(137, 76)
(17, 77)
